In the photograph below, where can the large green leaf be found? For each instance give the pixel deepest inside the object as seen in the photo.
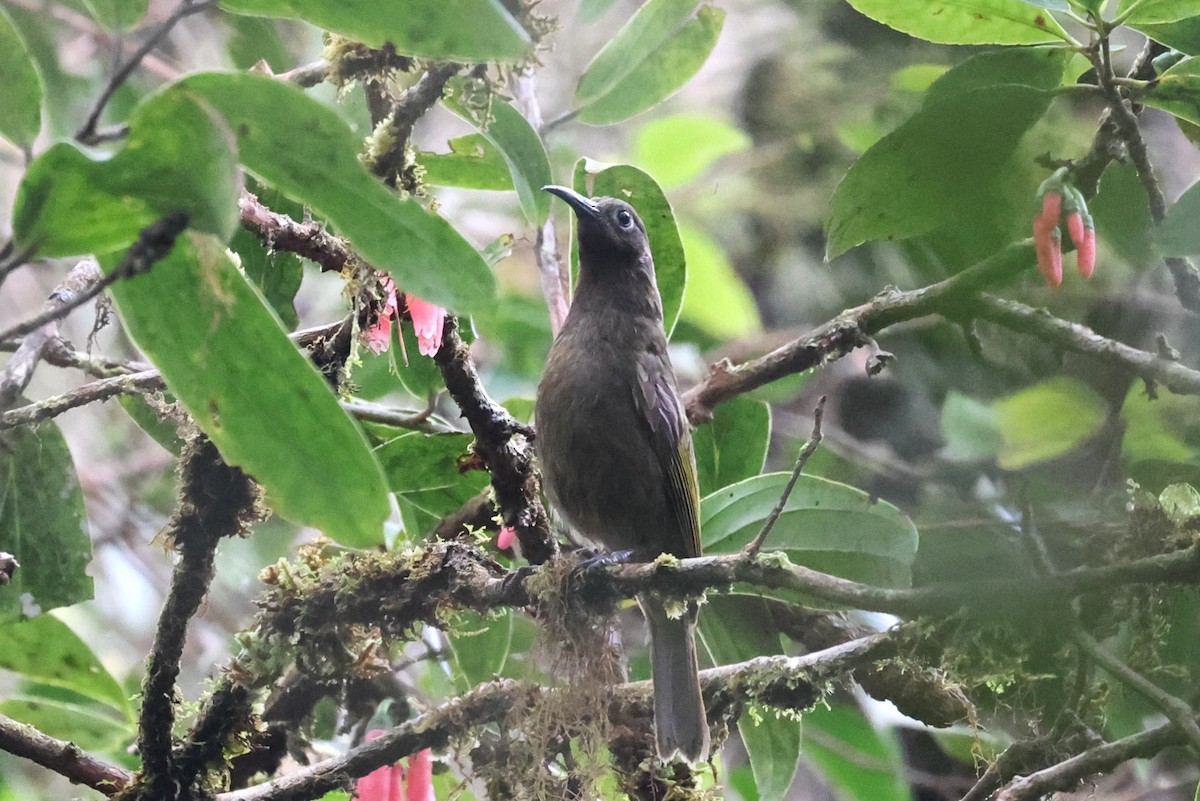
(1011, 22)
(21, 100)
(42, 524)
(472, 163)
(416, 461)
(480, 646)
(825, 525)
(305, 150)
(1177, 91)
(266, 408)
(659, 75)
(970, 430)
(1182, 35)
(1046, 421)
(734, 629)
(644, 194)
(1122, 214)
(1179, 234)
(717, 299)
(466, 30)
(521, 148)
(679, 148)
(862, 764)
(47, 651)
(179, 157)
(946, 160)
(1158, 11)
(85, 725)
(639, 38)
(733, 445)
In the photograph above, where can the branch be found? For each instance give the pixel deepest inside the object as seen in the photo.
(810, 447)
(215, 501)
(396, 128)
(281, 232)
(504, 443)
(154, 243)
(62, 757)
(789, 682)
(1067, 775)
(87, 133)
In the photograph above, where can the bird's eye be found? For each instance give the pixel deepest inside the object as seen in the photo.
(624, 219)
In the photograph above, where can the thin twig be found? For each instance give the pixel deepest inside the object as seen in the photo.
(397, 418)
(1175, 709)
(86, 133)
(810, 447)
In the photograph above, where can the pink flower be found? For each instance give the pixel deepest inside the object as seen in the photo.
(1047, 240)
(419, 786)
(428, 319)
(381, 784)
(379, 335)
(394, 783)
(506, 538)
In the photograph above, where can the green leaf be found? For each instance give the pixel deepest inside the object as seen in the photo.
(1177, 91)
(740, 627)
(1011, 22)
(472, 163)
(637, 40)
(1122, 214)
(47, 651)
(481, 645)
(969, 429)
(179, 157)
(261, 402)
(86, 726)
(940, 165)
(681, 147)
(276, 273)
(592, 10)
(1183, 35)
(644, 194)
(520, 146)
(1179, 234)
(117, 15)
(860, 763)
(1046, 421)
(659, 75)
(464, 30)
(717, 299)
(825, 525)
(162, 431)
(416, 461)
(42, 524)
(305, 150)
(21, 100)
(733, 445)
(1157, 11)
(1181, 502)
(1157, 429)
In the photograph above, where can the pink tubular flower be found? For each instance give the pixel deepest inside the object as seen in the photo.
(428, 319)
(382, 784)
(379, 335)
(506, 538)
(419, 784)
(1047, 240)
(1085, 253)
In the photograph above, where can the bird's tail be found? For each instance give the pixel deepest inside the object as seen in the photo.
(680, 724)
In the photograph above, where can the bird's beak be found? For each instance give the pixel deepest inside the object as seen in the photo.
(583, 206)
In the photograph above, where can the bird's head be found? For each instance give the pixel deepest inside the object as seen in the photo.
(609, 229)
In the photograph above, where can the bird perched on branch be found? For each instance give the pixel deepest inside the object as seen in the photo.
(614, 443)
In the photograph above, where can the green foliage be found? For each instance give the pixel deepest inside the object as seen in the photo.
(859, 762)
(733, 445)
(717, 300)
(179, 158)
(936, 168)
(117, 15)
(223, 354)
(42, 524)
(1011, 22)
(45, 650)
(21, 105)
(1046, 421)
(824, 525)
(680, 148)
(425, 28)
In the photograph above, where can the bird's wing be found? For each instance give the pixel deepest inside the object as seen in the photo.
(658, 401)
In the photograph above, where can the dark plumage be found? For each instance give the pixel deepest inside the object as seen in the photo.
(614, 443)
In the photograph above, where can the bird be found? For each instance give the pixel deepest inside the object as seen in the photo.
(615, 447)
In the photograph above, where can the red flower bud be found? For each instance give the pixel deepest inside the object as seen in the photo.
(419, 781)
(1051, 208)
(1085, 253)
(1047, 242)
(1075, 228)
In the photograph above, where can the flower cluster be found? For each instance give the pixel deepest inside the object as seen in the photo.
(1057, 195)
(394, 782)
(427, 318)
